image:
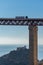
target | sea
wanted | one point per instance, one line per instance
(5, 49)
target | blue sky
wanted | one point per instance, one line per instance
(12, 8)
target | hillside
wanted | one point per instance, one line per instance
(16, 57)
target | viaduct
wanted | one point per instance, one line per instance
(33, 29)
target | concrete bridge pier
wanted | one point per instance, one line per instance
(33, 45)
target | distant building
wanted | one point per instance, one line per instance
(40, 62)
(21, 48)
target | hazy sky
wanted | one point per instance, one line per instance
(12, 8)
(14, 35)
(18, 35)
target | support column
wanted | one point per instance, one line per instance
(33, 45)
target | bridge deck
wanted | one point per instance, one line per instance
(21, 21)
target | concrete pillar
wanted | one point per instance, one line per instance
(33, 45)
